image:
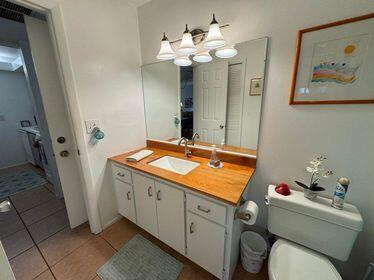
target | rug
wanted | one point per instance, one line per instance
(17, 181)
(140, 259)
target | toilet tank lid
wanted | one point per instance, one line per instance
(348, 217)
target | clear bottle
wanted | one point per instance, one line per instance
(213, 157)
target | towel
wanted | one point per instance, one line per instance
(139, 155)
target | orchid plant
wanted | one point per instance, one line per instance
(317, 169)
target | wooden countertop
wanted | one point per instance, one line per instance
(226, 184)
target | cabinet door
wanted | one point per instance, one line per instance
(205, 243)
(145, 203)
(125, 200)
(170, 216)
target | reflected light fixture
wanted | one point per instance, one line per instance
(202, 57)
(183, 60)
(166, 51)
(214, 39)
(226, 52)
(187, 46)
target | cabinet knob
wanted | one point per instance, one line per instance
(150, 191)
(128, 195)
(159, 195)
(191, 228)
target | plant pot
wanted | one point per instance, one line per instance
(311, 195)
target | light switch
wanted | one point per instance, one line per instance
(2, 118)
(91, 124)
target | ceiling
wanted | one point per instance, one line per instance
(10, 58)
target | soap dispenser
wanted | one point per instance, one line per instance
(214, 161)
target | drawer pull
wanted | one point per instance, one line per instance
(191, 228)
(120, 174)
(159, 195)
(150, 191)
(128, 195)
(203, 209)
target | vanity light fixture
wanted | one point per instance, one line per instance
(166, 51)
(183, 60)
(202, 57)
(226, 52)
(187, 45)
(214, 39)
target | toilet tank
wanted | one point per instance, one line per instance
(314, 224)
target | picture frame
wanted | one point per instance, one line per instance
(333, 63)
(256, 87)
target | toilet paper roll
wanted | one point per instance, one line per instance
(251, 208)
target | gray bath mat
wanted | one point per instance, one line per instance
(140, 259)
(17, 181)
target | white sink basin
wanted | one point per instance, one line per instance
(175, 165)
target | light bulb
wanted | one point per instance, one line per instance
(187, 46)
(226, 52)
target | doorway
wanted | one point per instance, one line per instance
(40, 173)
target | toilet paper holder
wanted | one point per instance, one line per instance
(242, 216)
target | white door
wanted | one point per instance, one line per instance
(58, 120)
(144, 190)
(205, 243)
(210, 96)
(170, 214)
(125, 200)
(5, 269)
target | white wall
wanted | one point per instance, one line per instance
(290, 135)
(98, 43)
(161, 100)
(15, 105)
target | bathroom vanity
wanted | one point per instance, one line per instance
(192, 213)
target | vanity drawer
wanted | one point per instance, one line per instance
(122, 174)
(206, 208)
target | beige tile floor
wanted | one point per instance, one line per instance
(40, 244)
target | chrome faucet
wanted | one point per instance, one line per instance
(195, 135)
(5, 206)
(187, 151)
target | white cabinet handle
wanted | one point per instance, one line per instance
(120, 174)
(191, 228)
(158, 195)
(203, 209)
(128, 195)
(150, 191)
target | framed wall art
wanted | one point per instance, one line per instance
(255, 87)
(334, 63)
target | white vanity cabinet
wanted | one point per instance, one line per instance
(144, 189)
(124, 192)
(170, 216)
(199, 227)
(205, 243)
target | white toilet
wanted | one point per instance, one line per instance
(310, 229)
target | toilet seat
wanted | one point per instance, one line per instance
(290, 261)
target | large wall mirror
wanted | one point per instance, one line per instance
(220, 100)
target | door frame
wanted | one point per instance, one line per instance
(53, 12)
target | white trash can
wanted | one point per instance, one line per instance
(253, 251)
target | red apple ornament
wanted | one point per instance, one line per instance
(283, 189)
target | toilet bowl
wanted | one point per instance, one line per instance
(290, 261)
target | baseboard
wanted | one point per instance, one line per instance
(111, 222)
(14, 165)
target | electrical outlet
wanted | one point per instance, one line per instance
(91, 125)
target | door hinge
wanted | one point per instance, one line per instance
(223, 273)
(226, 234)
(184, 197)
(79, 153)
